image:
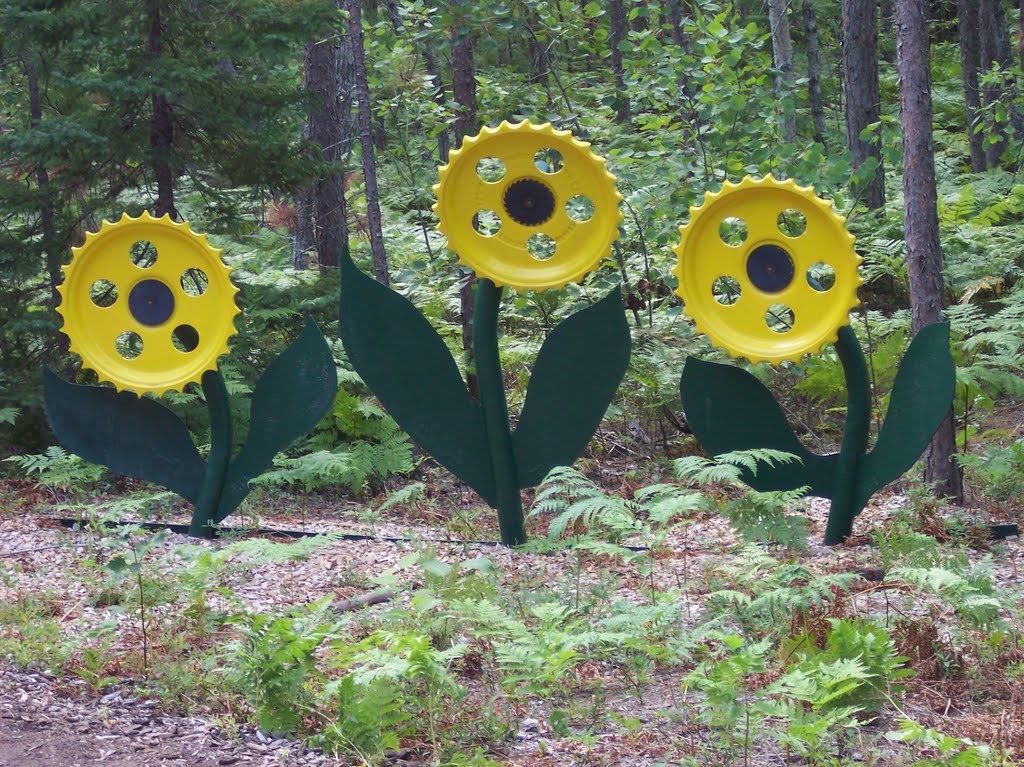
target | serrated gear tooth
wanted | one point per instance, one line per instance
(499, 258)
(166, 369)
(748, 339)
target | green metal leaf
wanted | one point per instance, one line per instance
(408, 367)
(728, 409)
(921, 397)
(293, 394)
(574, 379)
(131, 435)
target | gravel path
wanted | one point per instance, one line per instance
(44, 723)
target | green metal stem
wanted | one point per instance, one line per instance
(219, 408)
(855, 437)
(495, 410)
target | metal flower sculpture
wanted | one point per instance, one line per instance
(768, 271)
(528, 207)
(150, 307)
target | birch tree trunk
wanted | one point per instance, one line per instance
(782, 54)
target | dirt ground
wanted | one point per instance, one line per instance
(48, 721)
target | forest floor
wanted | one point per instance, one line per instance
(104, 711)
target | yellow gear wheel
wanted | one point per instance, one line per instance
(767, 270)
(148, 304)
(527, 206)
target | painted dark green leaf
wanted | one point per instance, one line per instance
(921, 397)
(729, 409)
(574, 379)
(135, 436)
(293, 394)
(408, 367)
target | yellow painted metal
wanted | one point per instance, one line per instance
(182, 321)
(777, 319)
(529, 181)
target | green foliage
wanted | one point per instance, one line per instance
(365, 717)
(758, 517)
(762, 518)
(60, 470)
(272, 663)
(728, 467)
(763, 594)
(965, 588)
(31, 637)
(950, 752)
(863, 649)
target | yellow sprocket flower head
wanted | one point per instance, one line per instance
(767, 270)
(148, 304)
(527, 206)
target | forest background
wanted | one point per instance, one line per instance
(292, 128)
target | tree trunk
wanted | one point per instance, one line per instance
(303, 241)
(464, 92)
(46, 212)
(814, 74)
(989, 53)
(921, 218)
(860, 80)
(782, 54)
(1020, 34)
(619, 28)
(443, 139)
(886, 12)
(362, 88)
(161, 134)
(329, 125)
(967, 11)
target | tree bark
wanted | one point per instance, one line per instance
(814, 74)
(464, 92)
(303, 241)
(1020, 34)
(967, 11)
(443, 139)
(619, 29)
(362, 88)
(886, 13)
(995, 49)
(921, 218)
(782, 55)
(46, 211)
(329, 126)
(161, 134)
(860, 80)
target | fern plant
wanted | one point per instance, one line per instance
(58, 469)
(863, 653)
(762, 594)
(758, 517)
(272, 663)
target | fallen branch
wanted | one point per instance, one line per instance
(358, 603)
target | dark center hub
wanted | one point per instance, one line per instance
(151, 302)
(770, 268)
(529, 202)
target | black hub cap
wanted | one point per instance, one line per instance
(151, 302)
(529, 202)
(770, 268)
